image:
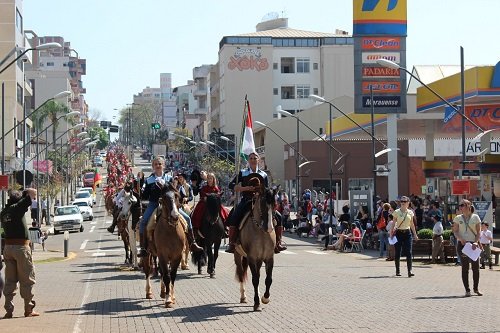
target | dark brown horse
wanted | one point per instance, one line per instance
(168, 243)
(212, 231)
(257, 246)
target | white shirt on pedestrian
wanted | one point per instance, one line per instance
(438, 228)
(484, 236)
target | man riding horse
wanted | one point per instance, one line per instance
(240, 183)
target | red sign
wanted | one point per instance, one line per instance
(381, 43)
(380, 72)
(4, 182)
(460, 187)
(487, 116)
(381, 86)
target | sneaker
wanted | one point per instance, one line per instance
(8, 315)
(478, 293)
(410, 274)
(467, 294)
(31, 314)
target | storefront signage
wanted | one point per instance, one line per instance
(382, 101)
(487, 116)
(380, 43)
(377, 17)
(248, 59)
(372, 57)
(381, 86)
(460, 187)
(4, 182)
(380, 72)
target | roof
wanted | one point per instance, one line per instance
(289, 33)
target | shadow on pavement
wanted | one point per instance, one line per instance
(107, 307)
(439, 297)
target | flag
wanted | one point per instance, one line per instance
(247, 142)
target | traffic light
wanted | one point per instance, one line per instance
(155, 126)
(104, 124)
(113, 128)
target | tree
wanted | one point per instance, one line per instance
(102, 134)
(52, 110)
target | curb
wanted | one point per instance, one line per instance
(49, 259)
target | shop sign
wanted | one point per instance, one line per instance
(381, 43)
(382, 101)
(248, 59)
(393, 87)
(4, 182)
(372, 57)
(460, 187)
(380, 72)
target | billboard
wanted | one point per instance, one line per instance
(379, 17)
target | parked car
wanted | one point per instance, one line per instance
(85, 209)
(86, 196)
(88, 179)
(97, 161)
(67, 218)
(91, 191)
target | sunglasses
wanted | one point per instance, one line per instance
(253, 158)
(462, 205)
(404, 201)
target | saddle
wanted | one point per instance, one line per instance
(152, 225)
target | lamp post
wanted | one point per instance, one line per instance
(461, 111)
(40, 47)
(225, 138)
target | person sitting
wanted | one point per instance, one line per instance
(354, 236)
(199, 210)
(305, 225)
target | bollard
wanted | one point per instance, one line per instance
(66, 242)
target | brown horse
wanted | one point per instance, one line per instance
(257, 246)
(125, 229)
(168, 243)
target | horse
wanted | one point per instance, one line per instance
(258, 240)
(108, 201)
(167, 243)
(126, 229)
(210, 234)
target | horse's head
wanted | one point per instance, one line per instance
(128, 201)
(170, 200)
(213, 204)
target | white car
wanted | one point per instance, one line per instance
(91, 191)
(68, 218)
(84, 195)
(85, 209)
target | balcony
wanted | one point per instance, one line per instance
(201, 91)
(261, 151)
(200, 110)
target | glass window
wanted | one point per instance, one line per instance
(19, 21)
(275, 65)
(312, 42)
(315, 66)
(303, 65)
(278, 42)
(19, 94)
(287, 65)
(303, 91)
(255, 40)
(315, 91)
(50, 63)
(341, 41)
(244, 40)
(275, 91)
(265, 40)
(287, 92)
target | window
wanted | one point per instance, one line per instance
(303, 65)
(315, 66)
(50, 63)
(275, 65)
(19, 21)
(275, 91)
(287, 65)
(288, 92)
(19, 94)
(315, 91)
(303, 91)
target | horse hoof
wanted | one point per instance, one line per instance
(163, 294)
(212, 275)
(184, 268)
(149, 296)
(257, 308)
(264, 300)
(243, 300)
(169, 305)
(200, 272)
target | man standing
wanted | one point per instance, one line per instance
(437, 240)
(17, 253)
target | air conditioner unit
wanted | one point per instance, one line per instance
(382, 170)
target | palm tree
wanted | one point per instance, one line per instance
(52, 111)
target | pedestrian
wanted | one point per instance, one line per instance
(437, 240)
(383, 236)
(486, 238)
(34, 211)
(17, 253)
(44, 211)
(391, 249)
(466, 228)
(403, 229)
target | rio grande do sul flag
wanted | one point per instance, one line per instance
(247, 142)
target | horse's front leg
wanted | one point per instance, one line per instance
(173, 275)
(269, 280)
(148, 267)
(255, 269)
(210, 254)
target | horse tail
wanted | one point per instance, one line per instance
(241, 267)
(201, 256)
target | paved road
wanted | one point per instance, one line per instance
(313, 291)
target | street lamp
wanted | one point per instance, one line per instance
(225, 138)
(41, 47)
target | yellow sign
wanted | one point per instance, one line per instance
(372, 17)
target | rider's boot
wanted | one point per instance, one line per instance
(279, 245)
(111, 228)
(193, 247)
(142, 252)
(233, 233)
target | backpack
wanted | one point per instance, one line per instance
(381, 223)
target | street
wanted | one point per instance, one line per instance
(312, 291)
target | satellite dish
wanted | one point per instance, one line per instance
(270, 16)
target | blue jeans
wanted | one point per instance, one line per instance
(384, 242)
(187, 218)
(152, 205)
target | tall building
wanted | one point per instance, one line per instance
(15, 88)
(278, 65)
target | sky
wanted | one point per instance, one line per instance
(128, 43)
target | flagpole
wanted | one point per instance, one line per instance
(238, 158)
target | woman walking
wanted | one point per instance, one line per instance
(403, 229)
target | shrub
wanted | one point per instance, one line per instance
(447, 234)
(424, 234)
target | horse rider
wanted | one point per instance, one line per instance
(184, 189)
(152, 191)
(118, 201)
(209, 187)
(239, 184)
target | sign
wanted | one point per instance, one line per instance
(43, 166)
(380, 43)
(4, 182)
(379, 17)
(380, 72)
(484, 210)
(381, 86)
(155, 126)
(113, 129)
(382, 101)
(460, 187)
(248, 59)
(372, 57)
(487, 116)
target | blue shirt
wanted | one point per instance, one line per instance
(151, 191)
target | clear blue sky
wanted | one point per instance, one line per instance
(128, 43)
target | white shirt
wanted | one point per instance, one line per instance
(484, 236)
(438, 228)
